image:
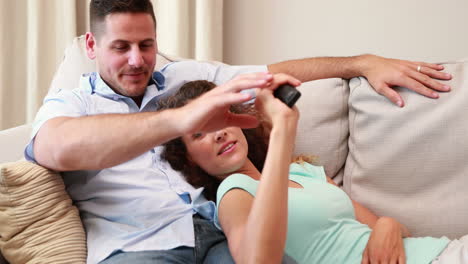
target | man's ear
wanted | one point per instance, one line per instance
(90, 45)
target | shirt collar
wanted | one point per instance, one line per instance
(100, 87)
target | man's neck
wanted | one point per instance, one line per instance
(138, 100)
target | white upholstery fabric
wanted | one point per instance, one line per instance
(323, 124)
(12, 142)
(411, 163)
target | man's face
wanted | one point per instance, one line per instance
(125, 52)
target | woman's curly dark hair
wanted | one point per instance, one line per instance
(175, 151)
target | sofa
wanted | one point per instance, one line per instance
(408, 163)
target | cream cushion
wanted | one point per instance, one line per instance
(323, 125)
(38, 223)
(411, 163)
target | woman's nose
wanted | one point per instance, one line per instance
(220, 135)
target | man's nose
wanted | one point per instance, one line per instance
(135, 58)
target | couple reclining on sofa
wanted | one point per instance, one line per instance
(133, 204)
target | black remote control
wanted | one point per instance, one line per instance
(287, 94)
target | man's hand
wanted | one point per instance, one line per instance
(383, 74)
(210, 112)
(385, 244)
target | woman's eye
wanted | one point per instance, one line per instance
(197, 135)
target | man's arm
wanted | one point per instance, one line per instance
(382, 73)
(102, 141)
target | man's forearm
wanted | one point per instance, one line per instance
(101, 141)
(321, 67)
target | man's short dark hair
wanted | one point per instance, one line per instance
(99, 9)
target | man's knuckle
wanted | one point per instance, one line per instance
(401, 74)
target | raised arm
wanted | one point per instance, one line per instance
(382, 73)
(101, 141)
(256, 228)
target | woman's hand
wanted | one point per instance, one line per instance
(272, 109)
(385, 244)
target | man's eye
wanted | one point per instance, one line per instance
(145, 46)
(120, 47)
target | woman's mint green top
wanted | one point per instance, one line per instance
(322, 227)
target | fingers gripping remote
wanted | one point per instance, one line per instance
(287, 94)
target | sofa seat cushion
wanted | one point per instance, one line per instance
(411, 163)
(38, 223)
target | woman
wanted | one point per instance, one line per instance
(268, 205)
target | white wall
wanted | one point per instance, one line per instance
(266, 31)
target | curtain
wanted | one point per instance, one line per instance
(190, 28)
(33, 36)
(35, 33)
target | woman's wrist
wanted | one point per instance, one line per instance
(286, 128)
(285, 119)
(393, 221)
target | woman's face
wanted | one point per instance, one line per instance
(218, 153)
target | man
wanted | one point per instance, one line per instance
(105, 136)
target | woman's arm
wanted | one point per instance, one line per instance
(385, 243)
(367, 217)
(256, 228)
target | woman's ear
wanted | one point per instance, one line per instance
(191, 162)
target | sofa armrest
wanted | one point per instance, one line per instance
(13, 141)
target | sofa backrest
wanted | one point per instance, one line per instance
(411, 163)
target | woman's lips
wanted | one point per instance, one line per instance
(227, 148)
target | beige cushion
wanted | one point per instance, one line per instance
(38, 223)
(323, 124)
(411, 163)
